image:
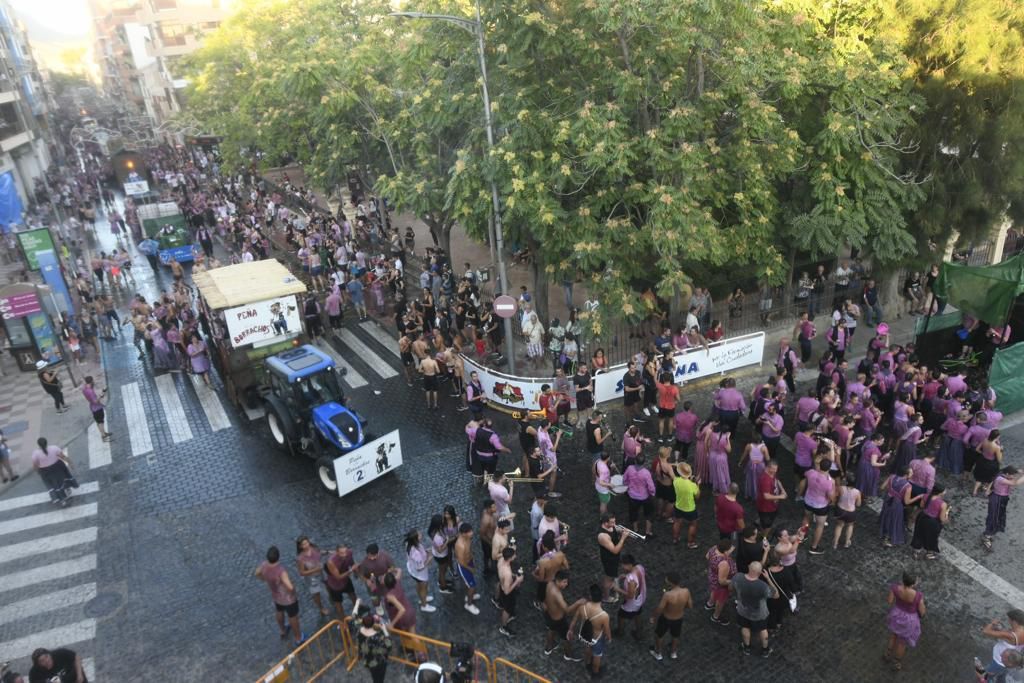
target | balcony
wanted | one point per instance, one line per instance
(15, 141)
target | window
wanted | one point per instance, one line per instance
(173, 34)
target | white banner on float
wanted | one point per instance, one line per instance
(523, 393)
(263, 321)
(368, 462)
(721, 356)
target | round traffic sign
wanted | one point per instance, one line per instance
(504, 306)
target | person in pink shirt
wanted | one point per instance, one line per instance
(998, 500)
(333, 307)
(806, 406)
(922, 479)
(817, 497)
(282, 592)
(640, 490)
(686, 422)
(972, 438)
(730, 404)
(956, 383)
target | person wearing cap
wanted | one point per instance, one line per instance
(51, 384)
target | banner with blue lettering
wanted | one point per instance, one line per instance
(11, 209)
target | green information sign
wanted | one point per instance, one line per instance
(34, 241)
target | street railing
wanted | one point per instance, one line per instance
(508, 672)
(322, 652)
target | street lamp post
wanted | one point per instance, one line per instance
(476, 27)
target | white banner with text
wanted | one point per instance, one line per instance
(364, 464)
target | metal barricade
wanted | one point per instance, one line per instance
(506, 672)
(329, 647)
(412, 649)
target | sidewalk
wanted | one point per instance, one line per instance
(27, 412)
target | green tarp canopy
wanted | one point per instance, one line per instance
(986, 292)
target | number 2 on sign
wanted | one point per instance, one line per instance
(359, 475)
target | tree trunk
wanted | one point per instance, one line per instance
(540, 282)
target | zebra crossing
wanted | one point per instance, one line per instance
(48, 576)
(368, 357)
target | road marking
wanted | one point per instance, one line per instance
(48, 572)
(44, 497)
(984, 577)
(47, 602)
(351, 376)
(375, 331)
(135, 414)
(211, 405)
(376, 363)
(47, 518)
(99, 450)
(173, 411)
(46, 544)
(65, 635)
(89, 667)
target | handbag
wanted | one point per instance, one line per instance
(791, 599)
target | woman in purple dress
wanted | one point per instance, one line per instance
(906, 607)
(928, 525)
(872, 460)
(998, 499)
(755, 455)
(951, 448)
(164, 357)
(701, 466)
(897, 496)
(199, 358)
(718, 448)
(906, 450)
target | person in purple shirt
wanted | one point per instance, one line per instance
(96, 406)
(803, 456)
(686, 422)
(771, 424)
(730, 404)
(640, 489)
(972, 438)
(333, 306)
(805, 332)
(922, 480)
(956, 383)
(805, 407)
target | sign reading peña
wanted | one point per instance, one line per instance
(263, 321)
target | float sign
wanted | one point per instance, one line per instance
(263, 321)
(368, 462)
(137, 187)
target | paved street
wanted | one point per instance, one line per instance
(149, 573)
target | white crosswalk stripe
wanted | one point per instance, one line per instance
(79, 511)
(44, 497)
(135, 415)
(366, 354)
(71, 634)
(99, 450)
(215, 414)
(46, 544)
(44, 587)
(47, 602)
(376, 332)
(174, 413)
(352, 376)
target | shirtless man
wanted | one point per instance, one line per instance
(138, 321)
(510, 578)
(464, 565)
(430, 371)
(499, 542)
(405, 351)
(420, 349)
(488, 523)
(668, 616)
(176, 270)
(551, 561)
(594, 627)
(557, 614)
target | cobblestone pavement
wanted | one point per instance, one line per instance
(159, 583)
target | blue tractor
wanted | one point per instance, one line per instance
(306, 410)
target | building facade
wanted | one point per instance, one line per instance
(24, 125)
(139, 43)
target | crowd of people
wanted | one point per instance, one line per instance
(890, 429)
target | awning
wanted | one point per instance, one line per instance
(246, 283)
